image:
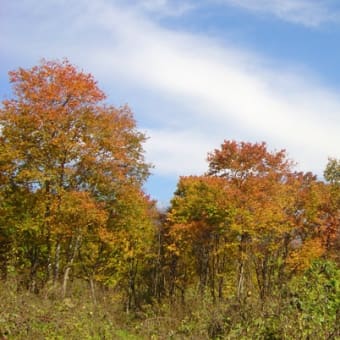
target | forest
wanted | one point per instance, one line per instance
(248, 250)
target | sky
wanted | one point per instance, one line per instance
(196, 73)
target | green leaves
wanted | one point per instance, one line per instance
(317, 295)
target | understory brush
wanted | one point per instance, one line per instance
(308, 307)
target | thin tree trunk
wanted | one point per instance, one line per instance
(93, 292)
(69, 266)
(240, 279)
(32, 285)
(56, 263)
(47, 227)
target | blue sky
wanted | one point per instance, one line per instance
(196, 72)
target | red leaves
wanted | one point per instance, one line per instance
(241, 160)
(56, 84)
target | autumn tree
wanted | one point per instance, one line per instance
(257, 177)
(66, 161)
(252, 210)
(200, 239)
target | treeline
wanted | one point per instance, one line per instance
(252, 238)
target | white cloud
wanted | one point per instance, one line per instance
(216, 91)
(179, 152)
(165, 7)
(305, 12)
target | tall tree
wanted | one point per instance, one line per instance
(250, 211)
(65, 162)
(257, 177)
(201, 240)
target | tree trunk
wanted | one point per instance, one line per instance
(69, 266)
(56, 263)
(93, 292)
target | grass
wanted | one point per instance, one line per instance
(25, 315)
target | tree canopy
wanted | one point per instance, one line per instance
(72, 170)
(253, 239)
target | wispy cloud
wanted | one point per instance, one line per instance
(179, 152)
(215, 91)
(165, 7)
(305, 12)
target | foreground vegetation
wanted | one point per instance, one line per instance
(248, 250)
(307, 308)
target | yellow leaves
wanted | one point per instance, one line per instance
(245, 211)
(301, 258)
(78, 210)
(76, 168)
(107, 236)
(173, 249)
(199, 199)
(30, 225)
(237, 227)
